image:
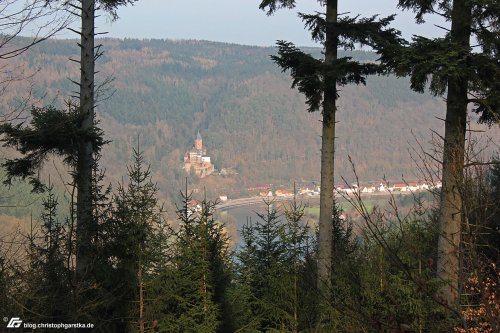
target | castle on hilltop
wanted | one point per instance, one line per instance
(197, 161)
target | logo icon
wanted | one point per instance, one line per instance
(14, 322)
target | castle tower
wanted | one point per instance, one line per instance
(198, 143)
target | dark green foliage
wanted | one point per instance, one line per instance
(7, 282)
(137, 236)
(273, 5)
(111, 5)
(50, 131)
(305, 70)
(423, 7)
(274, 273)
(309, 73)
(432, 62)
(383, 279)
(49, 277)
(319, 80)
(485, 86)
(94, 298)
(439, 57)
(464, 72)
(260, 266)
(345, 264)
(380, 281)
(191, 292)
(488, 219)
(352, 31)
(270, 249)
(232, 111)
(299, 287)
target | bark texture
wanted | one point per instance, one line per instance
(85, 223)
(327, 156)
(451, 213)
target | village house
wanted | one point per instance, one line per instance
(283, 193)
(368, 189)
(382, 188)
(399, 187)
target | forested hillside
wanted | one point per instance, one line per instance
(119, 241)
(249, 118)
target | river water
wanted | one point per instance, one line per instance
(236, 218)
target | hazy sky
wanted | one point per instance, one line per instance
(238, 21)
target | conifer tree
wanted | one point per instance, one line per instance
(79, 146)
(245, 303)
(89, 52)
(192, 290)
(297, 239)
(270, 259)
(345, 280)
(319, 80)
(49, 294)
(269, 266)
(466, 74)
(135, 223)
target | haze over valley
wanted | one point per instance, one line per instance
(252, 123)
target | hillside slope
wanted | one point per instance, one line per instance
(250, 119)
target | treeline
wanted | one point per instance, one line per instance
(114, 262)
(240, 101)
(150, 274)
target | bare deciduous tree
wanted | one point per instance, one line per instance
(24, 24)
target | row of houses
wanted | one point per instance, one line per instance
(342, 189)
(381, 188)
(277, 193)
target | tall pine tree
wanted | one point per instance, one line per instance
(49, 295)
(466, 74)
(191, 292)
(270, 266)
(86, 150)
(319, 81)
(136, 222)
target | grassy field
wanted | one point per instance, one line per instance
(346, 208)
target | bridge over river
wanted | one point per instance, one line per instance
(240, 211)
(252, 201)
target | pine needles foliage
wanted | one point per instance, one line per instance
(192, 289)
(50, 131)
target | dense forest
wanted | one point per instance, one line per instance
(250, 120)
(119, 238)
(154, 274)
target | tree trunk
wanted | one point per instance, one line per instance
(141, 293)
(450, 213)
(85, 223)
(327, 158)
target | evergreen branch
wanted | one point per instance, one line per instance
(435, 60)
(348, 71)
(51, 131)
(316, 24)
(350, 31)
(271, 6)
(305, 71)
(309, 73)
(423, 7)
